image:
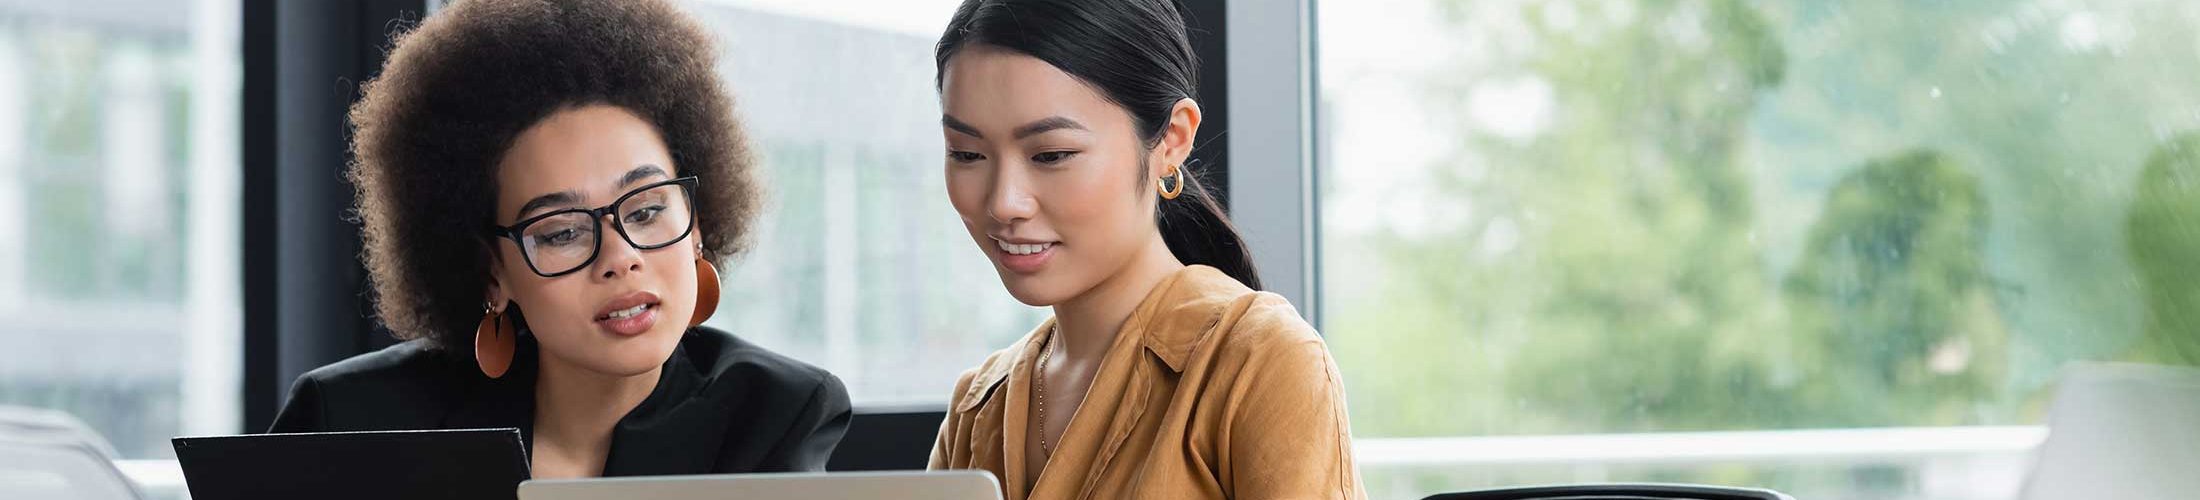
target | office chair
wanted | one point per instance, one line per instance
(1616, 492)
(888, 438)
(48, 454)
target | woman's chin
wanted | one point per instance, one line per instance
(1032, 290)
(625, 364)
(624, 356)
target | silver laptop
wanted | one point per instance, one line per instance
(2121, 432)
(913, 485)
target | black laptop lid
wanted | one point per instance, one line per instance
(436, 464)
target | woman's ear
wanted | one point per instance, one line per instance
(493, 292)
(1176, 139)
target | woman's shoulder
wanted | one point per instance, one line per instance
(723, 358)
(405, 367)
(1243, 320)
(1265, 337)
(1269, 318)
(1202, 300)
(1263, 328)
(405, 386)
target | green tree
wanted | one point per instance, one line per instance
(1892, 290)
(2164, 240)
(1606, 279)
(1708, 230)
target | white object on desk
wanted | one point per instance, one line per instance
(47, 454)
(2121, 432)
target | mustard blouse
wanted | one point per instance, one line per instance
(1210, 390)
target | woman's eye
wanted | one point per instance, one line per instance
(1052, 157)
(560, 237)
(644, 214)
(964, 156)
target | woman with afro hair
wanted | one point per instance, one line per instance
(547, 189)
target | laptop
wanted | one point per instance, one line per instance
(909, 485)
(2120, 432)
(427, 464)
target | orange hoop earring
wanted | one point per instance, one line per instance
(1161, 185)
(706, 290)
(494, 342)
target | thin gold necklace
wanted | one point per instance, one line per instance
(1041, 379)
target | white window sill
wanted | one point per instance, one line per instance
(2008, 444)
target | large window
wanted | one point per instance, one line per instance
(859, 263)
(118, 216)
(1573, 217)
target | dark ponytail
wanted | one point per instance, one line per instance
(1136, 53)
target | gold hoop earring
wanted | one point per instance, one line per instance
(1161, 185)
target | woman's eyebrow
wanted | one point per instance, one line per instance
(1048, 124)
(642, 173)
(561, 198)
(569, 197)
(1036, 127)
(951, 123)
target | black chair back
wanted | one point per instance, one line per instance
(1617, 492)
(888, 438)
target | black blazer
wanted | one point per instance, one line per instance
(723, 405)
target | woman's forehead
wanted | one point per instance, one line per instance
(591, 151)
(996, 90)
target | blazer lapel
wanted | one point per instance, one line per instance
(671, 432)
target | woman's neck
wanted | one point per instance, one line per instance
(576, 409)
(1089, 321)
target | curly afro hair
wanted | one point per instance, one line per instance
(457, 89)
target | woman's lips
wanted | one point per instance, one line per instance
(1024, 257)
(630, 314)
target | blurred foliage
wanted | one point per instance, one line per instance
(1702, 215)
(1761, 215)
(1893, 297)
(2165, 245)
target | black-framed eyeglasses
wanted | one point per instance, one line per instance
(649, 217)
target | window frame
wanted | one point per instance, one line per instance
(1269, 58)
